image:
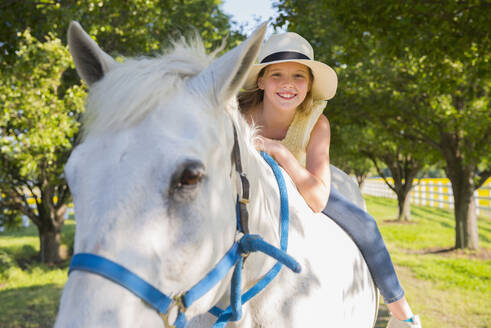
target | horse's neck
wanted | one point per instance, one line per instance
(264, 217)
(264, 197)
(265, 203)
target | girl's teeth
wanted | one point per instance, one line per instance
(288, 96)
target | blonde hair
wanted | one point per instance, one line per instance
(250, 98)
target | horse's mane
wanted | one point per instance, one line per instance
(128, 93)
(134, 88)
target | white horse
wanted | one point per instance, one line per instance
(155, 188)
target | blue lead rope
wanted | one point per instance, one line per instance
(234, 257)
(254, 243)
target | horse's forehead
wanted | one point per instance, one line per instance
(181, 116)
(188, 117)
(180, 125)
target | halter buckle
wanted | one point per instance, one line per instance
(165, 318)
(244, 201)
(174, 309)
(179, 302)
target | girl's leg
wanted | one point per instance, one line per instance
(365, 233)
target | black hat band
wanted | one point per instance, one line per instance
(283, 55)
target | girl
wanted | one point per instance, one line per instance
(285, 95)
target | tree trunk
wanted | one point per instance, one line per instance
(361, 179)
(50, 238)
(403, 169)
(462, 174)
(404, 203)
(466, 233)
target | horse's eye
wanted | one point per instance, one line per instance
(186, 180)
(191, 175)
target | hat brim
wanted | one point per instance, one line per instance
(325, 78)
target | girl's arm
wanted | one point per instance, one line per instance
(313, 182)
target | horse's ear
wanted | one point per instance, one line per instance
(91, 62)
(226, 75)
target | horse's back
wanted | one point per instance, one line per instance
(347, 186)
(347, 296)
(335, 288)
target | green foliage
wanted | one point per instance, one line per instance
(121, 27)
(344, 151)
(38, 125)
(41, 96)
(402, 67)
(9, 219)
(420, 72)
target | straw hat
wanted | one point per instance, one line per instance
(291, 47)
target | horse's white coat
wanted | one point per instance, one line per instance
(128, 210)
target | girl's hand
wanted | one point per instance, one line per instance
(270, 146)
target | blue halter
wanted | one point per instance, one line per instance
(234, 257)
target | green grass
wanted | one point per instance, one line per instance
(430, 227)
(29, 291)
(447, 288)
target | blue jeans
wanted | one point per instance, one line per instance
(364, 231)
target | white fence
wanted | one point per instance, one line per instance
(431, 192)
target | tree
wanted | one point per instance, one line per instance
(403, 165)
(9, 219)
(367, 141)
(37, 129)
(370, 94)
(124, 27)
(345, 153)
(445, 46)
(41, 95)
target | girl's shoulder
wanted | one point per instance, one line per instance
(321, 130)
(322, 123)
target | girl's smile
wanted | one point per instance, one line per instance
(286, 95)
